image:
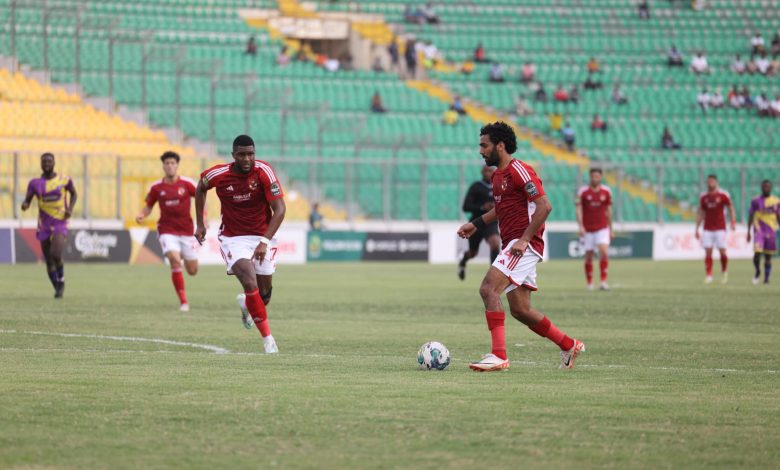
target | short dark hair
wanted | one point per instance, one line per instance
(501, 132)
(170, 154)
(713, 176)
(243, 141)
(596, 170)
(47, 154)
(765, 182)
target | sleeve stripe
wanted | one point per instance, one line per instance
(216, 172)
(521, 171)
(268, 170)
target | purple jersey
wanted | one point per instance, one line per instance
(52, 204)
(765, 211)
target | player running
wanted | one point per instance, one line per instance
(253, 208)
(594, 217)
(479, 200)
(765, 220)
(712, 207)
(174, 229)
(54, 210)
(521, 207)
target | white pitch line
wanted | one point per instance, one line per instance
(219, 350)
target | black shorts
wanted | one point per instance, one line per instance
(476, 239)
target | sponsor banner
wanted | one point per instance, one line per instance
(679, 242)
(561, 245)
(6, 246)
(335, 246)
(290, 246)
(396, 246)
(98, 246)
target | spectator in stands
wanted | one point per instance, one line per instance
(738, 66)
(331, 64)
(593, 65)
(747, 99)
(283, 58)
(392, 50)
(763, 66)
(556, 121)
(540, 96)
(716, 100)
(673, 57)
(568, 136)
(591, 83)
(522, 108)
(561, 95)
(303, 52)
(757, 44)
(413, 15)
(775, 107)
(751, 67)
(251, 46)
(479, 54)
(430, 14)
(598, 124)
(467, 67)
(776, 45)
(315, 218)
(763, 106)
(643, 10)
(376, 103)
(618, 97)
(704, 100)
(376, 66)
(528, 72)
(667, 141)
(699, 64)
(457, 105)
(450, 117)
(410, 55)
(496, 73)
(430, 54)
(347, 63)
(735, 98)
(574, 94)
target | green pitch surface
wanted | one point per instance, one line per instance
(676, 373)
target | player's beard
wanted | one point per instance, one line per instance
(493, 159)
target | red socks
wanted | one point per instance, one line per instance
(724, 262)
(589, 272)
(178, 283)
(546, 329)
(495, 321)
(603, 265)
(257, 310)
(708, 264)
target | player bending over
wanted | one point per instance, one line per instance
(252, 206)
(712, 208)
(521, 207)
(54, 210)
(594, 217)
(174, 229)
(765, 221)
(479, 200)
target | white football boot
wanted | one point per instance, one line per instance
(269, 344)
(246, 318)
(490, 363)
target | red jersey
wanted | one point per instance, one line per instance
(244, 197)
(594, 203)
(515, 188)
(174, 199)
(714, 204)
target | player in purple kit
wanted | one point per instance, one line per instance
(765, 221)
(54, 210)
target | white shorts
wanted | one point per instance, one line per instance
(714, 238)
(184, 244)
(591, 240)
(521, 271)
(243, 247)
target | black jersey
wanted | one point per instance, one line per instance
(479, 194)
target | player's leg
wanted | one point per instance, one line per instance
(474, 242)
(724, 263)
(56, 249)
(189, 254)
(520, 308)
(603, 265)
(51, 269)
(177, 278)
(589, 245)
(767, 267)
(708, 264)
(493, 285)
(757, 267)
(494, 242)
(266, 287)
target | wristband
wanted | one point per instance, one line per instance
(479, 223)
(265, 240)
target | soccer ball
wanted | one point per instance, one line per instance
(433, 355)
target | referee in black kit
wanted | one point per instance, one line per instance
(479, 200)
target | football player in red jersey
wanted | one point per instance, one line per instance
(521, 208)
(594, 217)
(712, 211)
(252, 203)
(174, 229)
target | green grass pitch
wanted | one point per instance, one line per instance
(676, 374)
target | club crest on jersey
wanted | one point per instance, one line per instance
(275, 189)
(530, 189)
(603, 198)
(252, 184)
(504, 184)
(162, 193)
(181, 191)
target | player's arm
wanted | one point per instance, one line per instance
(578, 212)
(469, 202)
(278, 209)
(71, 202)
(144, 213)
(699, 219)
(609, 221)
(543, 209)
(733, 216)
(28, 197)
(470, 228)
(751, 214)
(200, 205)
